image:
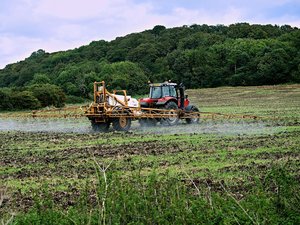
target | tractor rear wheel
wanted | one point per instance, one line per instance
(122, 124)
(173, 120)
(192, 120)
(100, 127)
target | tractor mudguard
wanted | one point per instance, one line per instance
(144, 104)
(161, 103)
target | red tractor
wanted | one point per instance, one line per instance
(168, 95)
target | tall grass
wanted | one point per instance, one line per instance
(157, 199)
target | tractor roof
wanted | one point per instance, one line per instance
(163, 84)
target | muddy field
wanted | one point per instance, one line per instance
(64, 161)
(32, 162)
(59, 155)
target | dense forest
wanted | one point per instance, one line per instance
(197, 55)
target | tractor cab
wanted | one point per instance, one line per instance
(164, 90)
(163, 93)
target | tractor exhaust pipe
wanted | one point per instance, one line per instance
(181, 93)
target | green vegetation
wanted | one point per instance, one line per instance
(151, 178)
(48, 94)
(156, 177)
(197, 55)
(280, 102)
(167, 200)
(32, 97)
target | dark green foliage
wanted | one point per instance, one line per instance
(48, 95)
(125, 76)
(40, 79)
(32, 97)
(164, 199)
(24, 100)
(16, 100)
(5, 100)
(198, 55)
(158, 29)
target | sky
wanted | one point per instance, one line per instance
(55, 25)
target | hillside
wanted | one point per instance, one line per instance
(198, 55)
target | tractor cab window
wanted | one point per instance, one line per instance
(155, 92)
(165, 91)
(173, 91)
(169, 91)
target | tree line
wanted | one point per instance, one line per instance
(197, 55)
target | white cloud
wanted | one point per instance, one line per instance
(183, 16)
(70, 9)
(88, 9)
(15, 48)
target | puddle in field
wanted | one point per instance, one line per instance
(83, 126)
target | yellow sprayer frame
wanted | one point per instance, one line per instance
(101, 110)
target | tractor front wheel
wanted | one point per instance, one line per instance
(122, 124)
